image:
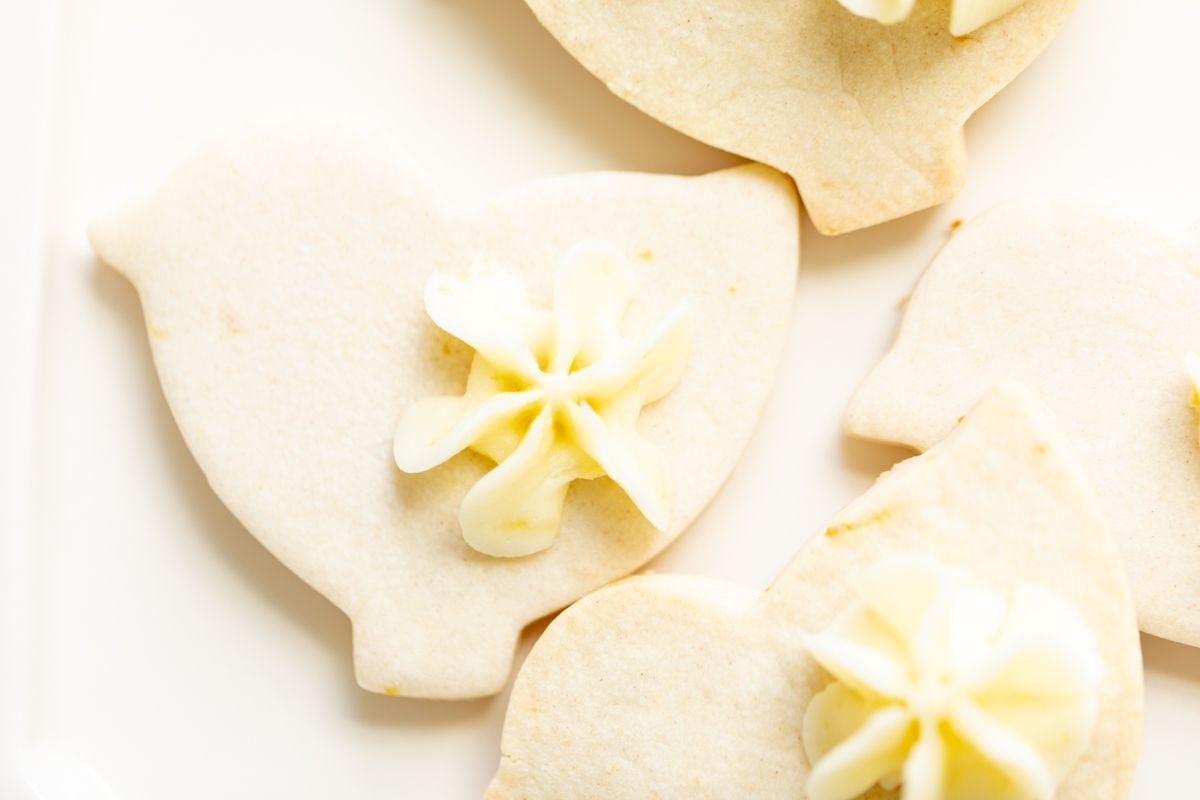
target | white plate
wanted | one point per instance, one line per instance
(151, 649)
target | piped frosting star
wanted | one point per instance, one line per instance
(1192, 362)
(944, 689)
(1193, 367)
(965, 15)
(552, 397)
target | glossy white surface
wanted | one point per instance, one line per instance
(150, 647)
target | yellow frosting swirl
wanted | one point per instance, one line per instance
(551, 397)
(944, 689)
(965, 15)
(1193, 368)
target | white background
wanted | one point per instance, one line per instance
(152, 649)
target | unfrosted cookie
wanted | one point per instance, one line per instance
(964, 628)
(867, 118)
(288, 280)
(1097, 316)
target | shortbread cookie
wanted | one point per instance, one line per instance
(964, 630)
(1097, 317)
(284, 278)
(867, 118)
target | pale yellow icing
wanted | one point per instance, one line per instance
(552, 397)
(1193, 368)
(965, 15)
(945, 689)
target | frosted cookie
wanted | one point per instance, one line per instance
(1097, 317)
(450, 418)
(963, 630)
(866, 117)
